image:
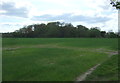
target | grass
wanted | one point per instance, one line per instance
(52, 59)
(108, 71)
(71, 42)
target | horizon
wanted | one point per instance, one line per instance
(61, 22)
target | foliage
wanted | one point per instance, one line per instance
(115, 3)
(58, 30)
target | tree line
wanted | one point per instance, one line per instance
(59, 30)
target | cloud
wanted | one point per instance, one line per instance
(69, 17)
(9, 27)
(10, 9)
(86, 12)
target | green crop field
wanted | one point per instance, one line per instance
(58, 59)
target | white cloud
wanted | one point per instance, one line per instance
(9, 27)
(89, 10)
(11, 10)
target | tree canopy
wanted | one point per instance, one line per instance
(115, 3)
(59, 30)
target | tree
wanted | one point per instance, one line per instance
(115, 3)
(52, 29)
(69, 30)
(103, 34)
(111, 34)
(82, 31)
(95, 32)
(39, 30)
(62, 30)
(22, 32)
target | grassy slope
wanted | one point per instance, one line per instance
(108, 71)
(52, 64)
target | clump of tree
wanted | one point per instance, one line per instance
(59, 30)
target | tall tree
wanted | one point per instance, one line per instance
(69, 30)
(103, 34)
(82, 31)
(39, 30)
(95, 32)
(53, 29)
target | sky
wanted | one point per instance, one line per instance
(14, 14)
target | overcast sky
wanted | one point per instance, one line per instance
(15, 14)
